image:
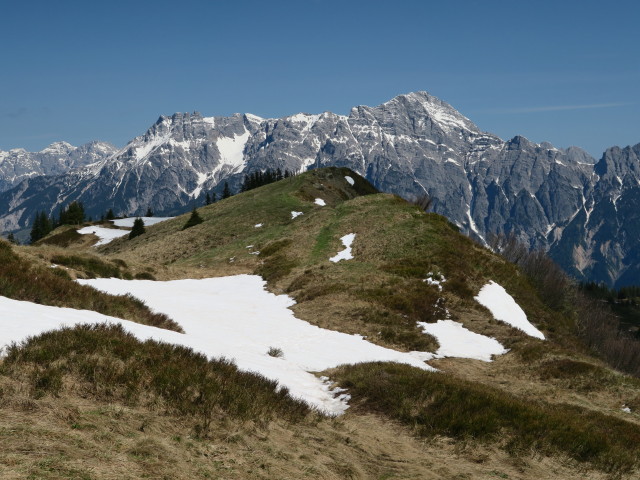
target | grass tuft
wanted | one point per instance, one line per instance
(275, 352)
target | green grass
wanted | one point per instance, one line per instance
(20, 280)
(110, 364)
(438, 404)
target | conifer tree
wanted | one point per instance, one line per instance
(194, 219)
(73, 214)
(110, 215)
(138, 228)
(41, 227)
(207, 200)
(149, 212)
(226, 192)
(36, 229)
(11, 238)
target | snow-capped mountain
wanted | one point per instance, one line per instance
(60, 157)
(559, 199)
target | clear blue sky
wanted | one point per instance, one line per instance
(567, 72)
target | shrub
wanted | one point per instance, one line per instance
(144, 276)
(437, 404)
(111, 364)
(275, 352)
(92, 266)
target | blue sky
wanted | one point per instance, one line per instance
(567, 72)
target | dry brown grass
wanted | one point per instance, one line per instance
(75, 438)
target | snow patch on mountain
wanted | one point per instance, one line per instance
(505, 309)
(232, 149)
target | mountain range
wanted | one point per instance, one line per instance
(581, 210)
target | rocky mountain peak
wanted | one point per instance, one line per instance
(59, 147)
(617, 162)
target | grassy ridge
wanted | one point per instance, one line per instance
(438, 404)
(110, 364)
(380, 293)
(20, 280)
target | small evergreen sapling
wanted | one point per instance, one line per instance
(138, 228)
(194, 219)
(226, 192)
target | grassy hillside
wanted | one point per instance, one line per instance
(548, 409)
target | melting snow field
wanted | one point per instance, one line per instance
(106, 235)
(234, 317)
(345, 254)
(504, 308)
(320, 202)
(295, 214)
(349, 179)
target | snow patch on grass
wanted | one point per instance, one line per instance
(345, 254)
(350, 180)
(320, 202)
(456, 341)
(105, 235)
(295, 214)
(232, 317)
(504, 308)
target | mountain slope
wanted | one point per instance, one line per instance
(410, 145)
(546, 408)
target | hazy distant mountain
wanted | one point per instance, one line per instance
(559, 199)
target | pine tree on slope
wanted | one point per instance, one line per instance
(138, 228)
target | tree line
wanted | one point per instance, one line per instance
(259, 178)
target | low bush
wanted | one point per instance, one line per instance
(144, 276)
(91, 266)
(109, 364)
(276, 267)
(439, 404)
